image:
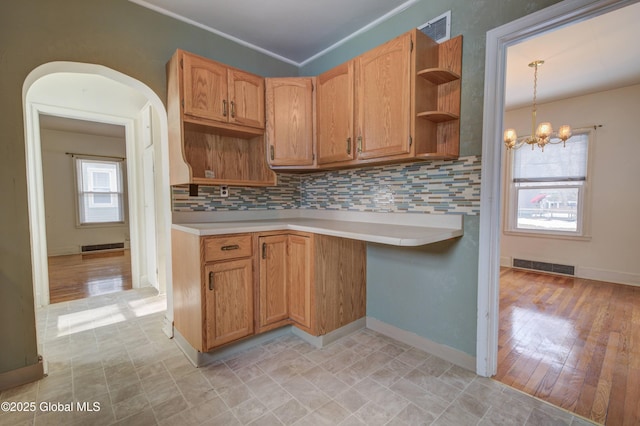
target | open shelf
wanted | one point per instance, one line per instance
(438, 75)
(438, 116)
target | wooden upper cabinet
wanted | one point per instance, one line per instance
(383, 99)
(289, 131)
(334, 114)
(205, 88)
(216, 122)
(217, 92)
(246, 99)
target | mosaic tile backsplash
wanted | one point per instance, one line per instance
(440, 187)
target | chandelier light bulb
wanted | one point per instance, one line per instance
(544, 130)
(510, 138)
(564, 132)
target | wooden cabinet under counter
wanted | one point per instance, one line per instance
(229, 287)
(212, 288)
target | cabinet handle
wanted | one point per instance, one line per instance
(232, 247)
(359, 144)
(349, 146)
(224, 107)
(233, 109)
(272, 153)
(211, 280)
(264, 250)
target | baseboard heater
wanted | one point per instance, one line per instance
(100, 247)
(544, 266)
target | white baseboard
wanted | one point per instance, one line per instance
(21, 376)
(608, 276)
(63, 251)
(324, 340)
(587, 273)
(450, 354)
(200, 359)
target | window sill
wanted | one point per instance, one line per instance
(550, 235)
(101, 225)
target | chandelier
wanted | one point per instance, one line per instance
(544, 132)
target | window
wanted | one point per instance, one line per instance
(548, 190)
(100, 193)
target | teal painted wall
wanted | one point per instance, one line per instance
(115, 33)
(432, 291)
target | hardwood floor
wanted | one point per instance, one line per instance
(572, 342)
(78, 276)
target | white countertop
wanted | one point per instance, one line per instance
(375, 228)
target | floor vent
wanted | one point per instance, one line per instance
(544, 266)
(98, 247)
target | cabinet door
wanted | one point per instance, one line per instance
(205, 88)
(290, 121)
(383, 108)
(273, 279)
(300, 283)
(334, 114)
(246, 99)
(228, 301)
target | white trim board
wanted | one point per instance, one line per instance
(450, 354)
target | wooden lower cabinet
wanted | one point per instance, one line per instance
(301, 281)
(321, 279)
(274, 277)
(228, 287)
(212, 288)
(228, 301)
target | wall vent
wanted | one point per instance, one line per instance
(438, 28)
(98, 247)
(544, 266)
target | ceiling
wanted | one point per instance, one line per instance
(78, 95)
(72, 125)
(598, 54)
(292, 30)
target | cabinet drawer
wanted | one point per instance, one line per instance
(230, 247)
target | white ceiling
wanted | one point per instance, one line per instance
(72, 125)
(78, 94)
(598, 54)
(291, 30)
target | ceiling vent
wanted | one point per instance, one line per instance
(438, 28)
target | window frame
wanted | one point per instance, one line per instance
(120, 176)
(583, 220)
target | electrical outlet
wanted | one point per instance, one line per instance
(224, 191)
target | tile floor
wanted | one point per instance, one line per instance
(110, 349)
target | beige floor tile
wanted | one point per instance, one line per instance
(112, 350)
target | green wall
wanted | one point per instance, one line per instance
(432, 290)
(114, 33)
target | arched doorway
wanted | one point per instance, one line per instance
(146, 185)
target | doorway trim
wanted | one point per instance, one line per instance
(498, 40)
(41, 281)
(35, 186)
